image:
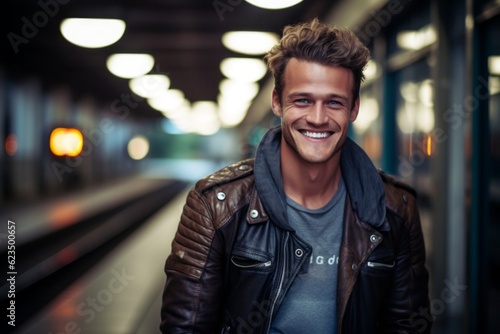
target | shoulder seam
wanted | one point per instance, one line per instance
(399, 196)
(394, 181)
(226, 175)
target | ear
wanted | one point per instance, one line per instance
(354, 111)
(276, 104)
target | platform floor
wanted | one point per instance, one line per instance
(122, 293)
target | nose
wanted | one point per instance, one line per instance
(317, 115)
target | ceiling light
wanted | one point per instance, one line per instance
(409, 91)
(426, 119)
(371, 70)
(92, 33)
(232, 119)
(239, 90)
(171, 128)
(494, 65)
(405, 117)
(231, 111)
(168, 101)
(276, 4)
(416, 39)
(149, 85)
(130, 65)
(138, 147)
(205, 111)
(249, 42)
(179, 114)
(494, 88)
(243, 69)
(204, 118)
(183, 123)
(370, 111)
(426, 93)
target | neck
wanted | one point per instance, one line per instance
(312, 185)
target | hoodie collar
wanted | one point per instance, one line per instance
(362, 180)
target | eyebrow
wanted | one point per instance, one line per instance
(305, 94)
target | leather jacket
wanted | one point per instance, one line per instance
(233, 261)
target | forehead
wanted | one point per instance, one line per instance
(316, 77)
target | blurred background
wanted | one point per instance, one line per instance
(110, 110)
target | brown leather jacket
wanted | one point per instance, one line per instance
(232, 262)
(226, 272)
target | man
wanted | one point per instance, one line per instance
(309, 237)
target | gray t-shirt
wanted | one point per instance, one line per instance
(310, 304)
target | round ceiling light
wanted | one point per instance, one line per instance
(130, 65)
(249, 42)
(243, 69)
(92, 33)
(276, 4)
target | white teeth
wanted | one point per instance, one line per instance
(316, 134)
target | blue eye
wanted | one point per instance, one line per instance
(334, 103)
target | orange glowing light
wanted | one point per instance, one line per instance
(11, 144)
(66, 142)
(429, 145)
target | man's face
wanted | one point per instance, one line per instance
(316, 107)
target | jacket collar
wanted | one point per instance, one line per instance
(364, 185)
(362, 180)
(267, 170)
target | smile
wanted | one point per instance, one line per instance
(316, 134)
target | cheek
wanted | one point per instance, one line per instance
(341, 119)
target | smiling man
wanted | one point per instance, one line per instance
(308, 237)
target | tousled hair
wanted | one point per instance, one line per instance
(317, 42)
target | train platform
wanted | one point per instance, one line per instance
(46, 216)
(122, 292)
(93, 259)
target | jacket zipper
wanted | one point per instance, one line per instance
(281, 283)
(259, 265)
(379, 265)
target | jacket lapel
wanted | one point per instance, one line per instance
(357, 245)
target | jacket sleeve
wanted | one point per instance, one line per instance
(193, 293)
(409, 302)
(420, 318)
